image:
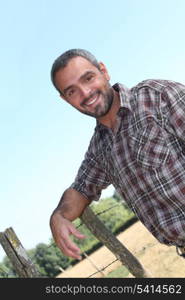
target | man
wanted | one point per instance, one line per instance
(138, 146)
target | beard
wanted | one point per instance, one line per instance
(101, 109)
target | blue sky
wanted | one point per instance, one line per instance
(43, 139)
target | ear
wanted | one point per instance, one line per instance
(104, 71)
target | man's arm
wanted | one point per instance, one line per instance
(70, 207)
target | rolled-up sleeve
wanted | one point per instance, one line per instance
(91, 178)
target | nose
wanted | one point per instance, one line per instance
(85, 91)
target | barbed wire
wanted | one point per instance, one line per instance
(10, 274)
(102, 212)
(81, 223)
(104, 268)
(33, 258)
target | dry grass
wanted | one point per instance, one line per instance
(160, 260)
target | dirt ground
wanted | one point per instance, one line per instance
(160, 260)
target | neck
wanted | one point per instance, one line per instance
(109, 119)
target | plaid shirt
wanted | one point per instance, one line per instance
(144, 158)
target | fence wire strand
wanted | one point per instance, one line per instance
(78, 226)
(81, 223)
(104, 268)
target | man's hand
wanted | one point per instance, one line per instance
(62, 229)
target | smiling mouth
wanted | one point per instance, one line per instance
(92, 100)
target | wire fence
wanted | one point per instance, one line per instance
(33, 258)
(103, 269)
(99, 270)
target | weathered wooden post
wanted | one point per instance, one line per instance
(97, 227)
(17, 254)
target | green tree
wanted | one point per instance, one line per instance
(49, 259)
(114, 215)
(6, 269)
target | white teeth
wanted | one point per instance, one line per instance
(92, 101)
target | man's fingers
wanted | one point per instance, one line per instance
(69, 248)
(72, 254)
(77, 233)
(62, 229)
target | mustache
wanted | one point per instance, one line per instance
(88, 98)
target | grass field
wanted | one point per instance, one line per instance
(160, 260)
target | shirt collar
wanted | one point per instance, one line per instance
(124, 94)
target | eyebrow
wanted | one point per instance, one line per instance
(81, 78)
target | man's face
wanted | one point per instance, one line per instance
(85, 87)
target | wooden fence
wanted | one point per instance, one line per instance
(24, 267)
(17, 254)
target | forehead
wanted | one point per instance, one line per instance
(78, 62)
(70, 74)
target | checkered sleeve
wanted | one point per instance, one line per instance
(174, 98)
(91, 177)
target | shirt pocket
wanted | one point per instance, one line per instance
(149, 147)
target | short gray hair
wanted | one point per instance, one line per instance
(62, 61)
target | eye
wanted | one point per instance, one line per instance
(89, 77)
(70, 93)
